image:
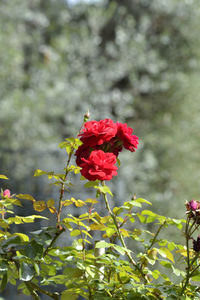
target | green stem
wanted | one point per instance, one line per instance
(62, 189)
(32, 291)
(189, 231)
(157, 233)
(188, 257)
(63, 186)
(58, 233)
(121, 237)
(54, 296)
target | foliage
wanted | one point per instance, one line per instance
(129, 60)
(96, 269)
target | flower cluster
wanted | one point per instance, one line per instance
(102, 143)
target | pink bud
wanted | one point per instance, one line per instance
(193, 205)
(6, 193)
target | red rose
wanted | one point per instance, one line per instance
(96, 133)
(99, 165)
(82, 152)
(124, 134)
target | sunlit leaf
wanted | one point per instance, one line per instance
(75, 232)
(91, 200)
(23, 236)
(39, 206)
(39, 172)
(164, 252)
(3, 176)
(51, 205)
(105, 189)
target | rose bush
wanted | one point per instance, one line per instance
(105, 269)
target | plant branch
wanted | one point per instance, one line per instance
(54, 296)
(155, 236)
(188, 257)
(32, 291)
(58, 233)
(62, 189)
(121, 237)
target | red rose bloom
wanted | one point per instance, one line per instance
(124, 134)
(82, 152)
(99, 165)
(97, 133)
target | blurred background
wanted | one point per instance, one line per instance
(135, 61)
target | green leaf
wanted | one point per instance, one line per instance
(141, 200)
(119, 162)
(25, 197)
(37, 268)
(166, 264)
(117, 210)
(11, 242)
(196, 277)
(26, 272)
(148, 213)
(75, 232)
(34, 250)
(92, 184)
(178, 272)
(39, 206)
(66, 295)
(103, 244)
(28, 219)
(105, 189)
(141, 218)
(110, 231)
(14, 201)
(39, 172)
(164, 252)
(3, 176)
(132, 203)
(23, 237)
(90, 200)
(4, 282)
(3, 267)
(155, 274)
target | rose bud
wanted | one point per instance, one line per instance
(6, 193)
(192, 205)
(196, 244)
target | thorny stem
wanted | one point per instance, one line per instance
(62, 189)
(63, 186)
(121, 237)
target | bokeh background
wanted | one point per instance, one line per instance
(135, 61)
